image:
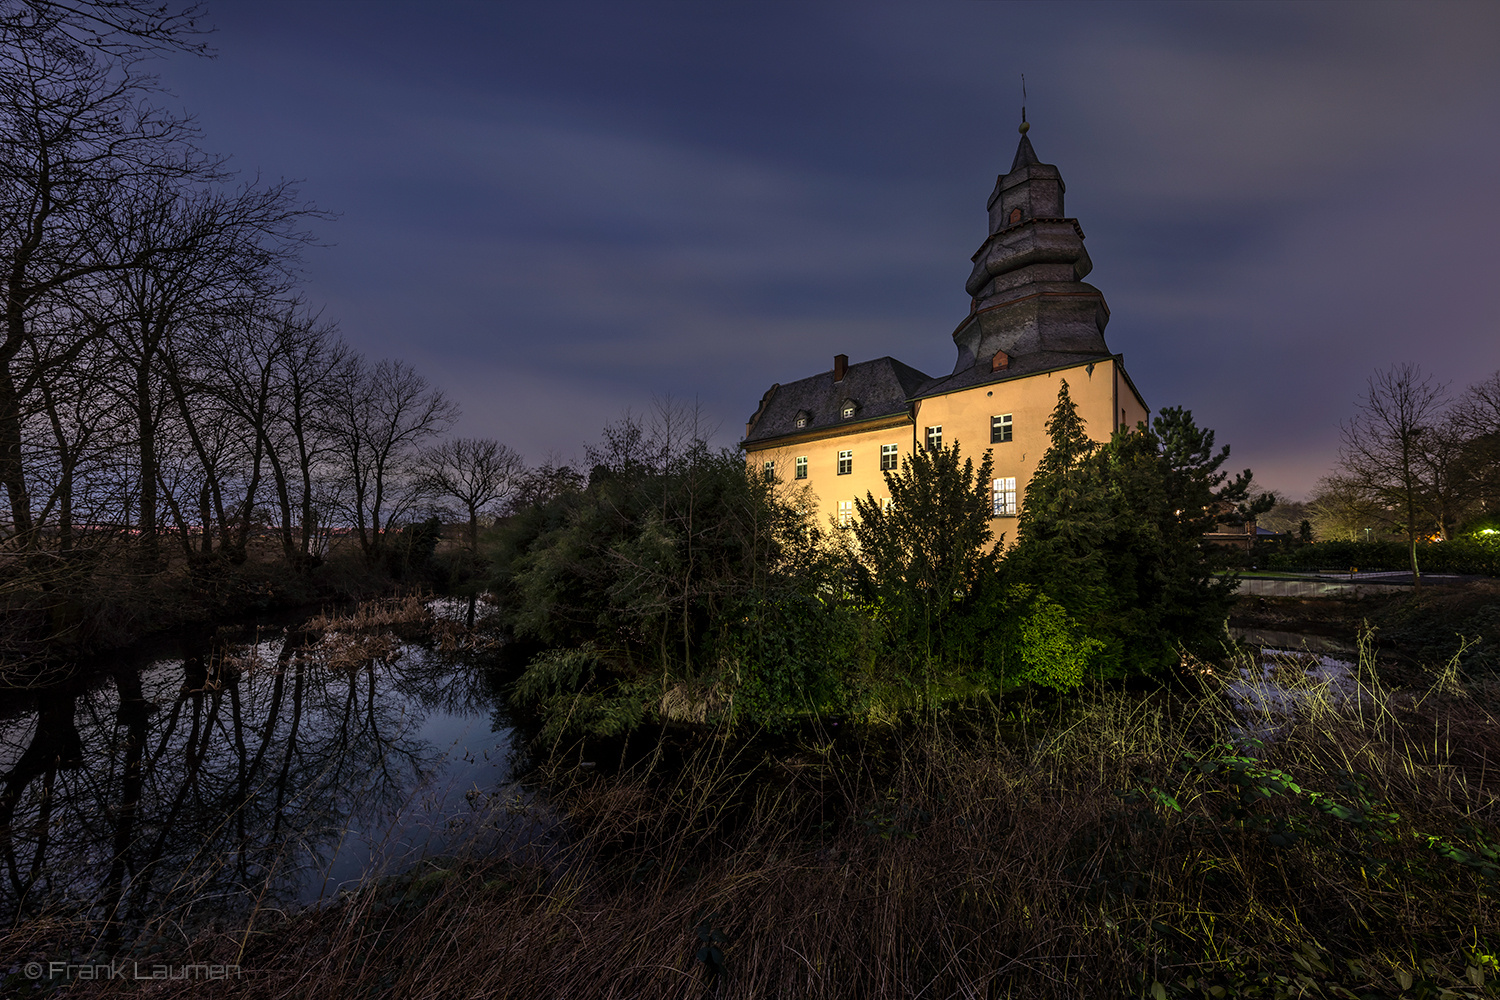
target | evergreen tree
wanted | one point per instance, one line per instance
(925, 552)
(1113, 534)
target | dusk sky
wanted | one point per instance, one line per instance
(558, 211)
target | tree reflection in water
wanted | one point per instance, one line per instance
(238, 777)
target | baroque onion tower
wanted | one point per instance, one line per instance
(1033, 322)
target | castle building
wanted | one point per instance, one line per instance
(1033, 322)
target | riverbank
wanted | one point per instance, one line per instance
(118, 605)
(1114, 843)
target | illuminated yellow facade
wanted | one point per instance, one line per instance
(1033, 323)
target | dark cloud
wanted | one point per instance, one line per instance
(559, 211)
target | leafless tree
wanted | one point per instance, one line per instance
(76, 132)
(380, 415)
(1477, 415)
(112, 27)
(1392, 451)
(480, 474)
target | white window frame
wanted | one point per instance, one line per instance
(890, 457)
(771, 467)
(1001, 428)
(846, 513)
(1003, 496)
(935, 437)
(846, 462)
(801, 467)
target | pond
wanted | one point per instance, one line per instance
(270, 772)
(1286, 674)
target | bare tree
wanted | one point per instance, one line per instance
(1389, 448)
(479, 474)
(76, 132)
(112, 27)
(1477, 415)
(379, 417)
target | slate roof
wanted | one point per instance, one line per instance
(879, 388)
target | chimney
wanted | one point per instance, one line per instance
(840, 365)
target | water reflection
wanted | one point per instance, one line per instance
(242, 776)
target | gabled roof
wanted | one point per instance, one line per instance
(880, 388)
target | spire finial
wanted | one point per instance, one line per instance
(1024, 126)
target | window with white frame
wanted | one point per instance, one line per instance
(771, 467)
(1005, 497)
(888, 458)
(885, 505)
(846, 513)
(846, 462)
(1000, 429)
(935, 438)
(802, 467)
(848, 410)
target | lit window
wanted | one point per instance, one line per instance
(802, 467)
(846, 462)
(846, 513)
(885, 505)
(935, 438)
(887, 457)
(1005, 497)
(801, 421)
(771, 467)
(848, 410)
(1000, 429)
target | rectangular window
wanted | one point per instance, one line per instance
(935, 438)
(846, 462)
(1005, 497)
(846, 513)
(885, 505)
(771, 467)
(802, 467)
(887, 458)
(1000, 429)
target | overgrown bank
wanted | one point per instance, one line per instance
(1116, 844)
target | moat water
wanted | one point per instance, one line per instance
(218, 777)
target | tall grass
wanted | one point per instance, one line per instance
(1123, 844)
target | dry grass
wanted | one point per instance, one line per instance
(1123, 846)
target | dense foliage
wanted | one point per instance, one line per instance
(1113, 534)
(674, 585)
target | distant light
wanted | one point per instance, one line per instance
(1488, 531)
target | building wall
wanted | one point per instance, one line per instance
(965, 417)
(822, 451)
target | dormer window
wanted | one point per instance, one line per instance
(802, 419)
(1015, 216)
(848, 409)
(1000, 362)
